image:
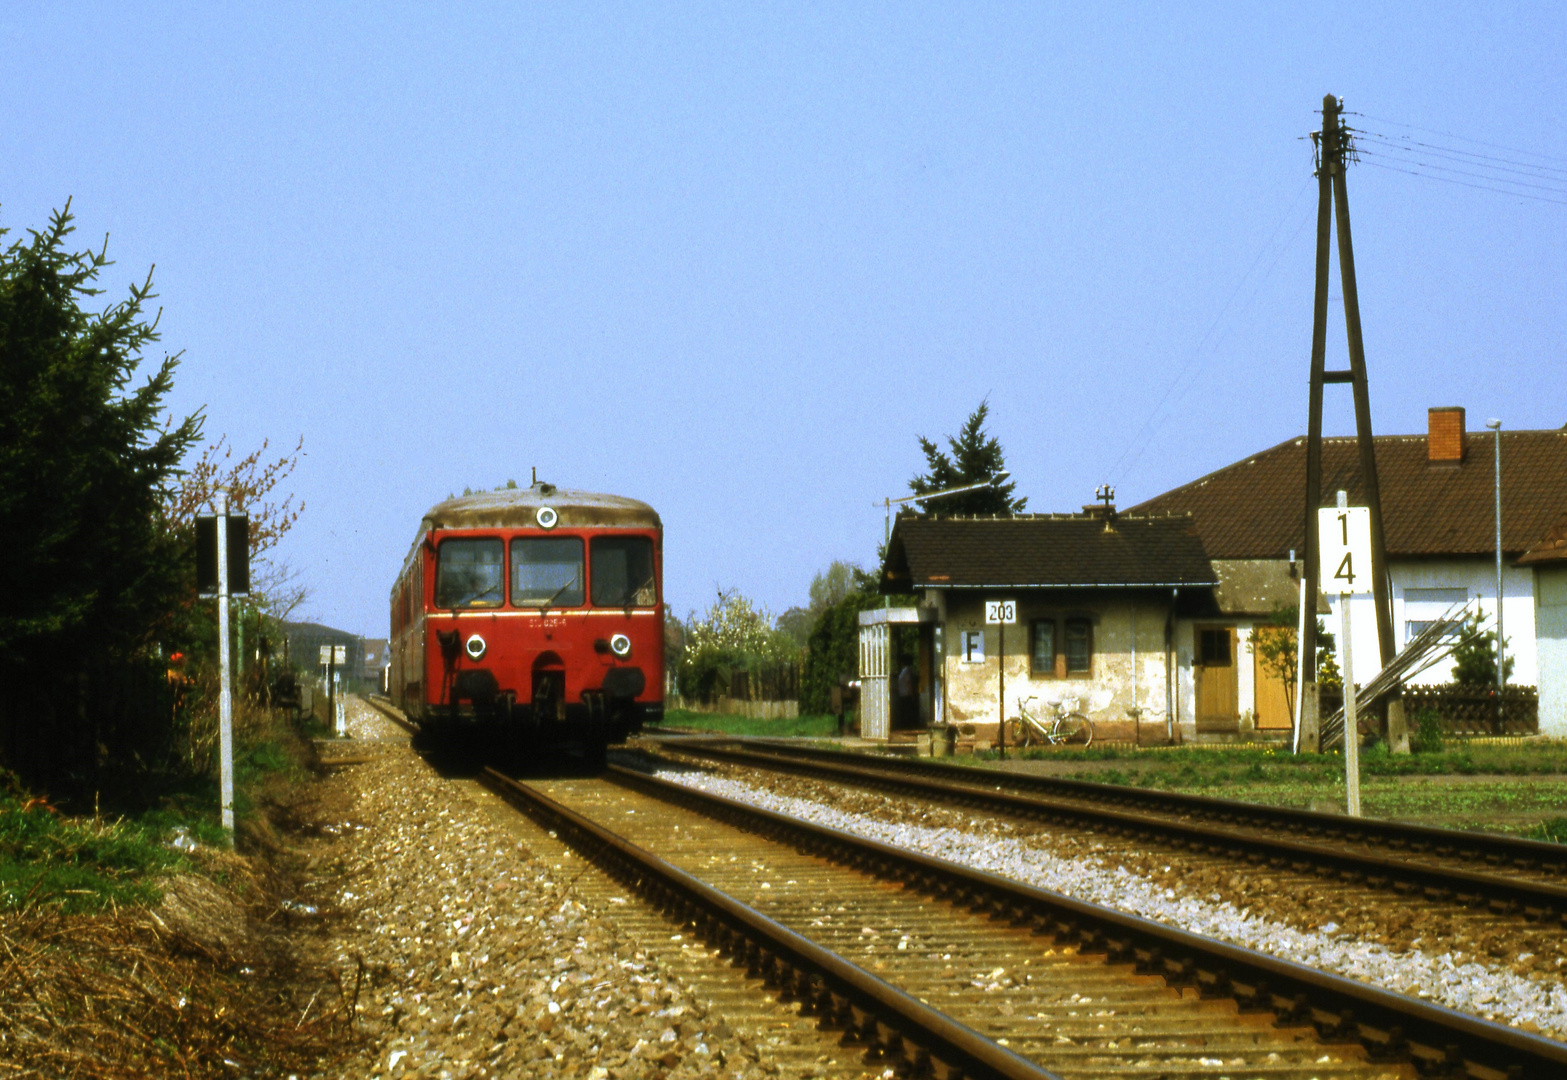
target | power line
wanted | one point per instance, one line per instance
(1479, 161)
(1461, 138)
(1464, 183)
(1474, 175)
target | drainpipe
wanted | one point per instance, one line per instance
(1135, 659)
(1169, 669)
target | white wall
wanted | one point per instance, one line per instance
(1551, 634)
(1476, 578)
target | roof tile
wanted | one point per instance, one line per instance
(1253, 510)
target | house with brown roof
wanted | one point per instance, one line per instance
(1439, 519)
(1100, 600)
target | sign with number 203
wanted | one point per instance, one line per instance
(1344, 549)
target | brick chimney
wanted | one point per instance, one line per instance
(1445, 437)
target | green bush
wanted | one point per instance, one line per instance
(1427, 738)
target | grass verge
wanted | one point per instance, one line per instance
(1508, 788)
(129, 955)
(817, 727)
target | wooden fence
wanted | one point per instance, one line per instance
(1464, 710)
(770, 682)
(1472, 710)
(726, 706)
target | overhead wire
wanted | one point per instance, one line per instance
(1535, 180)
(1393, 153)
(1464, 183)
(1475, 176)
(1460, 138)
(1479, 161)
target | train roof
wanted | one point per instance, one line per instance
(517, 508)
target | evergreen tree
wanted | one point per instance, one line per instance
(86, 463)
(1474, 660)
(974, 457)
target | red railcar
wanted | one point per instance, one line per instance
(534, 613)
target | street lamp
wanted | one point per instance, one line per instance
(889, 503)
(1501, 667)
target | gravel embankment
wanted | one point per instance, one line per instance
(477, 959)
(1532, 1000)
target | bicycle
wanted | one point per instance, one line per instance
(1065, 727)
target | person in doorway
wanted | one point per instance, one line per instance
(906, 714)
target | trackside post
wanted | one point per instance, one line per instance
(1344, 535)
(225, 678)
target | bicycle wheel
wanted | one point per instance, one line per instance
(1023, 733)
(1074, 729)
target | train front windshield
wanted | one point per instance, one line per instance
(623, 571)
(546, 571)
(469, 573)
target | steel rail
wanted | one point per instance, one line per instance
(1504, 894)
(1491, 848)
(1437, 1040)
(894, 1025)
(389, 711)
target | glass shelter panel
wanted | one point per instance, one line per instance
(546, 571)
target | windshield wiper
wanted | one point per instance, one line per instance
(544, 608)
(487, 591)
(626, 600)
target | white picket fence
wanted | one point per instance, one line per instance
(751, 710)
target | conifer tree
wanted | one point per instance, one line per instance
(974, 456)
(86, 460)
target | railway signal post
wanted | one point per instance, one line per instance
(223, 570)
(1345, 548)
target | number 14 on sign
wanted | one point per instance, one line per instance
(1344, 544)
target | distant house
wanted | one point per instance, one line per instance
(1101, 599)
(1439, 520)
(306, 639)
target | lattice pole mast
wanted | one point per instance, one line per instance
(1332, 189)
(1327, 153)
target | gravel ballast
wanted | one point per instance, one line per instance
(1534, 1002)
(474, 958)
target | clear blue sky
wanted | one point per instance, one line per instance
(730, 259)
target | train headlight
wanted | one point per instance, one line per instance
(475, 647)
(546, 517)
(620, 645)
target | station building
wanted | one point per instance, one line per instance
(1149, 618)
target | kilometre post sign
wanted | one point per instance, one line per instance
(1001, 614)
(1344, 541)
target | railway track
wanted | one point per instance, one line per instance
(958, 972)
(385, 708)
(1502, 876)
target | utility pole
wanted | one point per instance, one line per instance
(1333, 149)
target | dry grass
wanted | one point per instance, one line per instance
(206, 980)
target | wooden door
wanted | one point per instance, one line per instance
(1273, 703)
(1214, 665)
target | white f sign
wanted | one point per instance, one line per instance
(1344, 546)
